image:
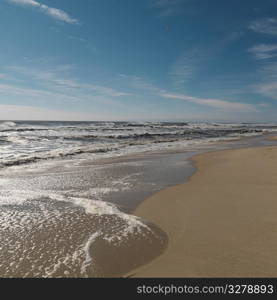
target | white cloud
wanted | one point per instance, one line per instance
(215, 103)
(25, 2)
(266, 26)
(55, 13)
(264, 51)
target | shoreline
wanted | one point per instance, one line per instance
(221, 222)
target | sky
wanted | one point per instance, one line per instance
(179, 60)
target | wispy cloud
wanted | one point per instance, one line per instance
(267, 86)
(269, 70)
(55, 87)
(4, 76)
(215, 103)
(57, 78)
(85, 42)
(263, 104)
(35, 94)
(264, 51)
(55, 13)
(150, 89)
(266, 26)
(25, 112)
(233, 36)
(168, 8)
(77, 38)
(267, 89)
(139, 83)
(186, 66)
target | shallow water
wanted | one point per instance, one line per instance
(71, 221)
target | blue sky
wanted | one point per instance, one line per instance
(189, 60)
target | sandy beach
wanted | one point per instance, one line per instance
(222, 222)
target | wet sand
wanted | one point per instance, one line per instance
(223, 222)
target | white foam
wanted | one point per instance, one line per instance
(17, 197)
(87, 247)
(102, 208)
(116, 230)
(95, 207)
(7, 125)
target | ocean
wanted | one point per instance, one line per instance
(24, 142)
(68, 190)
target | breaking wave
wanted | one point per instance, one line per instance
(27, 142)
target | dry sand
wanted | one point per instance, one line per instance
(223, 222)
(273, 138)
